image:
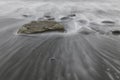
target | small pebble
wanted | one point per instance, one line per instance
(52, 60)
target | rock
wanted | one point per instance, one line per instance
(27, 16)
(65, 18)
(52, 60)
(47, 16)
(116, 32)
(68, 17)
(72, 15)
(106, 22)
(40, 27)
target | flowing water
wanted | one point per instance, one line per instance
(72, 55)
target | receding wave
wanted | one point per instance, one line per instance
(86, 51)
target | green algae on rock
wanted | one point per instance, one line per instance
(40, 27)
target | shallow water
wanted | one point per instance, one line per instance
(72, 55)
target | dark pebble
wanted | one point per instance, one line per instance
(47, 16)
(26, 16)
(116, 32)
(72, 15)
(108, 22)
(52, 60)
(64, 18)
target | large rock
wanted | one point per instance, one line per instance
(40, 27)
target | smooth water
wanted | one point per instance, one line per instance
(72, 55)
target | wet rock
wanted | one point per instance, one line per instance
(52, 60)
(47, 16)
(26, 16)
(108, 22)
(64, 18)
(40, 27)
(68, 17)
(116, 32)
(72, 15)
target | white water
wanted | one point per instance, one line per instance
(90, 11)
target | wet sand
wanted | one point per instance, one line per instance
(57, 56)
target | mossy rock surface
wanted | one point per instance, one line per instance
(40, 27)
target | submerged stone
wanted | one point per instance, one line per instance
(40, 27)
(49, 17)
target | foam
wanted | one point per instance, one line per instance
(89, 11)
